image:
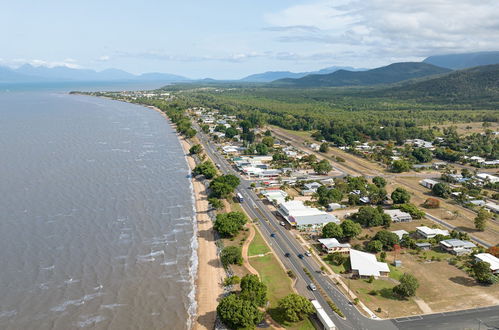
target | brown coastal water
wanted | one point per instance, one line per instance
(96, 216)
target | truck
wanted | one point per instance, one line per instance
(326, 321)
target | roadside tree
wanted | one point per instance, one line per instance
(407, 287)
(332, 230)
(295, 307)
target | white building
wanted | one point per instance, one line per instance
(492, 260)
(487, 177)
(365, 264)
(302, 217)
(427, 232)
(275, 196)
(457, 246)
(428, 183)
(398, 215)
(400, 233)
(492, 207)
(331, 245)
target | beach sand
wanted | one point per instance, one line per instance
(210, 273)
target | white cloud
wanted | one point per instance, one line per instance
(401, 28)
(68, 62)
(104, 58)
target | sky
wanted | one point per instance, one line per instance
(232, 39)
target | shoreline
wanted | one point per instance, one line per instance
(208, 262)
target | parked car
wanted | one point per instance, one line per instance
(312, 286)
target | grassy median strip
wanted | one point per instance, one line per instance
(258, 245)
(278, 282)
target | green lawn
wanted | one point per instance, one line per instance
(278, 283)
(337, 269)
(258, 245)
(395, 272)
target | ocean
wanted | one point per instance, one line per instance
(96, 216)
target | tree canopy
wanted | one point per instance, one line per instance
(400, 196)
(368, 216)
(229, 224)
(237, 313)
(407, 287)
(295, 307)
(332, 230)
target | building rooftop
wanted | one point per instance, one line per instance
(332, 243)
(367, 264)
(400, 233)
(432, 231)
(457, 243)
(487, 257)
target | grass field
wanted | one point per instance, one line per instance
(278, 284)
(258, 245)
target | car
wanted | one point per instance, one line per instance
(272, 235)
(312, 286)
(308, 254)
(301, 256)
(287, 254)
(282, 223)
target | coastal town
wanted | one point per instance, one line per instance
(369, 245)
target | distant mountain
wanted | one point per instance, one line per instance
(30, 73)
(479, 84)
(384, 75)
(463, 61)
(275, 75)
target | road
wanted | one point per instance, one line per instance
(284, 242)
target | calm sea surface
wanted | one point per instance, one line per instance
(96, 216)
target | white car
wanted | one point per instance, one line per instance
(282, 223)
(308, 254)
(312, 286)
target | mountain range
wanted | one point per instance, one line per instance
(384, 75)
(328, 77)
(30, 73)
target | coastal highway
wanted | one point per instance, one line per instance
(284, 242)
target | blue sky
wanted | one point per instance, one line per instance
(231, 39)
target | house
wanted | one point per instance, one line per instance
(478, 202)
(331, 245)
(485, 177)
(335, 206)
(275, 196)
(420, 143)
(365, 265)
(428, 183)
(457, 246)
(427, 232)
(492, 207)
(492, 260)
(400, 233)
(304, 217)
(477, 159)
(399, 216)
(310, 188)
(424, 245)
(315, 146)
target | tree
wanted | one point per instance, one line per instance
(441, 190)
(387, 238)
(224, 185)
(324, 147)
(231, 132)
(431, 203)
(368, 216)
(190, 133)
(216, 203)
(336, 258)
(327, 196)
(254, 290)
(237, 313)
(322, 167)
(231, 255)
(423, 155)
(332, 230)
(350, 229)
(481, 272)
(295, 307)
(407, 287)
(400, 196)
(481, 219)
(262, 149)
(379, 182)
(205, 128)
(195, 149)
(411, 209)
(229, 224)
(268, 141)
(376, 195)
(400, 165)
(375, 246)
(205, 168)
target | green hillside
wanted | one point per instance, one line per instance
(392, 73)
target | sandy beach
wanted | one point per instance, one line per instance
(210, 271)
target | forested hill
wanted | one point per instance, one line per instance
(463, 61)
(384, 75)
(475, 85)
